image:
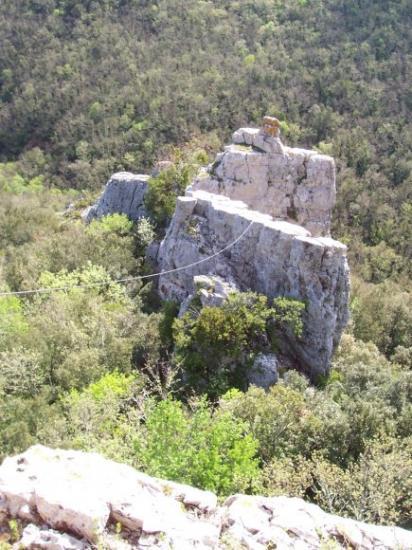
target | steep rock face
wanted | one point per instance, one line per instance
(289, 195)
(70, 500)
(275, 258)
(124, 194)
(291, 184)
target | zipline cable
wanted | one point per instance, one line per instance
(129, 279)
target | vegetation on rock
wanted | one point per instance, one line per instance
(87, 88)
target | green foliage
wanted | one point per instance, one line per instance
(92, 278)
(216, 345)
(93, 417)
(196, 445)
(112, 383)
(12, 182)
(334, 444)
(21, 373)
(145, 233)
(205, 449)
(115, 223)
(35, 236)
(160, 198)
(377, 488)
(287, 314)
(12, 322)
(280, 420)
(382, 313)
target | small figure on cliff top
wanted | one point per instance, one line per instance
(271, 126)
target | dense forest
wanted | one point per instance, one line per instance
(95, 86)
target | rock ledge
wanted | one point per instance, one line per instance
(69, 500)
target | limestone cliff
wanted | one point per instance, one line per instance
(70, 500)
(280, 201)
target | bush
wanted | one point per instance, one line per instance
(160, 198)
(211, 450)
(216, 346)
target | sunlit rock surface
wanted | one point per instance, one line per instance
(289, 195)
(71, 500)
(290, 184)
(124, 194)
(275, 258)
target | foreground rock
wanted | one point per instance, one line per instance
(81, 493)
(70, 500)
(292, 523)
(124, 194)
(275, 258)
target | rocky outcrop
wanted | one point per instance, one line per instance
(286, 196)
(124, 194)
(70, 500)
(290, 184)
(275, 258)
(292, 523)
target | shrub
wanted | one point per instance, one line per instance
(218, 344)
(211, 450)
(114, 223)
(160, 198)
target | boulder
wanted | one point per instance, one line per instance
(258, 522)
(272, 257)
(124, 194)
(264, 371)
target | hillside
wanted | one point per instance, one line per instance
(88, 88)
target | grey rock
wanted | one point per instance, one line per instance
(34, 537)
(163, 514)
(264, 371)
(77, 492)
(292, 523)
(291, 184)
(289, 194)
(211, 291)
(275, 258)
(124, 194)
(152, 251)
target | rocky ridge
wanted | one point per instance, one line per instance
(275, 204)
(71, 500)
(275, 258)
